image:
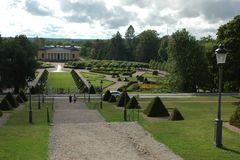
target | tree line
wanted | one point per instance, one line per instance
(191, 62)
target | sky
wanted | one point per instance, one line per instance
(101, 19)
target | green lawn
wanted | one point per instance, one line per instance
(193, 137)
(95, 79)
(20, 140)
(150, 75)
(62, 80)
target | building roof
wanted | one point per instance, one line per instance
(72, 48)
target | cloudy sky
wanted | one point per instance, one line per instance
(103, 18)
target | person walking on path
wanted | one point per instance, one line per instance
(74, 98)
(70, 98)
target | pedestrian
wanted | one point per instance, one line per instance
(70, 98)
(74, 98)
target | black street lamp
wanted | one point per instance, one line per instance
(221, 55)
(101, 84)
(39, 101)
(125, 105)
(30, 100)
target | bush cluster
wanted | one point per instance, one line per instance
(133, 104)
(107, 95)
(10, 98)
(79, 82)
(23, 95)
(112, 99)
(1, 113)
(235, 118)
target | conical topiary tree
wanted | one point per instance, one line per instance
(133, 103)
(91, 90)
(156, 109)
(11, 99)
(112, 99)
(235, 118)
(1, 113)
(124, 98)
(176, 115)
(19, 99)
(5, 105)
(107, 95)
(23, 95)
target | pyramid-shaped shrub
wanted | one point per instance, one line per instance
(12, 100)
(107, 95)
(19, 99)
(1, 113)
(122, 99)
(112, 99)
(176, 115)
(235, 118)
(91, 90)
(133, 103)
(23, 95)
(156, 109)
(5, 105)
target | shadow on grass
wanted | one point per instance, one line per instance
(230, 150)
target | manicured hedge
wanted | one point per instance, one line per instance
(5, 105)
(107, 95)
(19, 99)
(176, 115)
(23, 95)
(79, 82)
(12, 100)
(156, 109)
(133, 104)
(1, 113)
(124, 98)
(112, 99)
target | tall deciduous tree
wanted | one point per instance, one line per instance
(229, 34)
(130, 41)
(18, 61)
(148, 45)
(189, 68)
(117, 49)
(163, 49)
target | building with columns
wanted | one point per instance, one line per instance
(58, 53)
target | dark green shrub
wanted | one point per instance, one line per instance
(91, 90)
(133, 104)
(235, 118)
(5, 105)
(124, 98)
(19, 99)
(156, 109)
(1, 113)
(11, 99)
(23, 95)
(140, 78)
(176, 115)
(107, 96)
(125, 79)
(119, 79)
(155, 72)
(112, 99)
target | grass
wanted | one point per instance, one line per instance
(193, 137)
(20, 140)
(150, 75)
(62, 80)
(96, 78)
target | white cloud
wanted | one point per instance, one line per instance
(103, 18)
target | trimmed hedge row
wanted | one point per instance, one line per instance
(79, 82)
(43, 79)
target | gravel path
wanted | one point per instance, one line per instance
(82, 134)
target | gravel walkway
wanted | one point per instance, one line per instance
(82, 134)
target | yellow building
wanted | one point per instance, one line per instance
(58, 53)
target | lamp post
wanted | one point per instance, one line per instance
(101, 84)
(30, 100)
(221, 55)
(42, 87)
(125, 105)
(89, 91)
(39, 102)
